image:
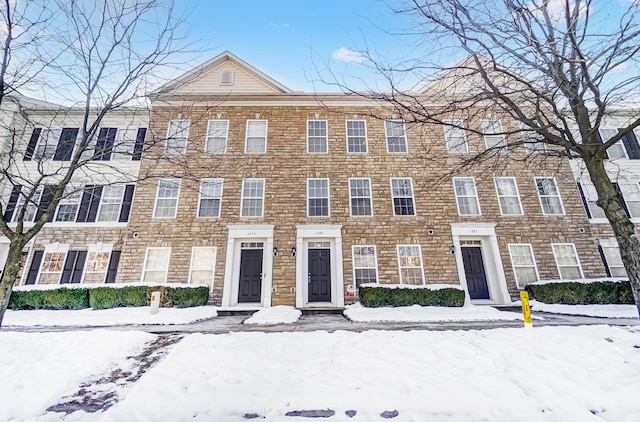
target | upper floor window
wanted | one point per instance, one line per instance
(51, 144)
(508, 195)
(549, 196)
(166, 204)
(111, 203)
(410, 263)
(360, 197)
(524, 264)
(567, 261)
(533, 141)
(455, 136)
(31, 204)
(217, 133)
(47, 144)
(402, 196)
(115, 144)
(396, 136)
(630, 197)
(69, 204)
(317, 141)
(226, 77)
(611, 257)
(493, 136)
(256, 138)
(177, 136)
(466, 195)
(210, 198)
(365, 265)
(318, 197)
(356, 136)
(252, 202)
(590, 198)
(616, 150)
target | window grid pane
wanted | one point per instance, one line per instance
(410, 263)
(567, 260)
(591, 197)
(356, 136)
(96, 267)
(508, 197)
(317, 136)
(51, 268)
(360, 194)
(217, 132)
(32, 205)
(47, 144)
(402, 195)
(616, 150)
(210, 198)
(466, 196)
(524, 266)
(364, 265)
(318, 197)
(124, 143)
(156, 265)
(110, 203)
(549, 196)
(167, 198)
(491, 129)
(177, 135)
(256, 140)
(252, 197)
(455, 137)
(614, 261)
(396, 136)
(631, 194)
(202, 265)
(69, 204)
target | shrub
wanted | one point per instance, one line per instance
(573, 293)
(375, 297)
(185, 297)
(111, 297)
(62, 298)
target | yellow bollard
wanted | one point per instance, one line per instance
(155, 303)
(526, 310)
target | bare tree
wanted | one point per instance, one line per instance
(560, 67)
(95, 58)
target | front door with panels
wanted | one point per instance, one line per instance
(250, 283)
(319, 272)
(475, 272)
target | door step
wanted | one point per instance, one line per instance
(320, 311)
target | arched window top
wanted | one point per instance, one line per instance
(226, 78)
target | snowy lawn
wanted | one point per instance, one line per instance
(274, 315)
(417, 313)
(106, 317)
(607, 311)
(586, 374)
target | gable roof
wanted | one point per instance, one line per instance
(205, 79)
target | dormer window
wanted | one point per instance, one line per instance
(226, 78)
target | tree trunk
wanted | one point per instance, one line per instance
(10, 274)
(623, 228)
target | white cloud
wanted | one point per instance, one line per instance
(347, 55)
(621, 68)
(278, 25)
(555, 8)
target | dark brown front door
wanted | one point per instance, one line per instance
(250, 286)
(474, 271)
(319, 275)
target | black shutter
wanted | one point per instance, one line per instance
(66, 144)
(31, 147)
(102, 139)
(104, 145)
(95, 203)
(45, 200)
(78, 268)
(69, 265)
(32, 275)
(11, 205)
(139, 145)
(600, 142)
(85, 203)
(604, 261)
(112, 270)
(125, 210)
(631, 144)
(622, 202)
(584, 201)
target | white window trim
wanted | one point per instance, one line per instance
(513, 264)
(319, 197)
(242, 197)
(124, 190)
(622, 183)
(611, 243)
(421, 262)
(221, 180)
(34, 202)
(326, 138)
(65, 196)
(186, 136)
(393, 205)
(477, 196)
(353, 262)
(97, 248)
(625, 154)
(404, 132)
(226, 137)
(366, 136)
(246, 135)
(448, 125)
(500, 144)
(215, 256)
(370, 197)
(146, 256)
(535, 184)
(515, 183)
(177, 199)
(556, 258)
(51, 248)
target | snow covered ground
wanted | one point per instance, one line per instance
(605, 311)
(589, 373)
(416, 313)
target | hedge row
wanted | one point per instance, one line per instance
(572, 293)
(107, 297)
(375, 297)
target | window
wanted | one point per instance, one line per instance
(110, 203)
(177, 135)
(156, 265)
(317, 137)
(590, 197)
(402, 197)
(492, 130)
(466, 196)
(252, 198)
(356, 136)
(396, 136)
(217, 133)
(32, 205)
(69, 204)
(567, 261)
(508, 196)
(210, 198)
(167, 198)
(532, 140)
(51, 268)
(616, 150)
(317, 197)
(365, 265)
(455, 137)
(47, 144)
(360, 197)
(256, 140)
(612, 258)
(549, 196)
(524, 265)
(631, 194)
(96, 267)
(124, 144)
(410, 263)
(203, 264)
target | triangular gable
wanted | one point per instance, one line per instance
(208, 79)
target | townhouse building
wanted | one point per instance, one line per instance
(276, 197)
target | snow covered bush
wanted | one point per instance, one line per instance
(62, 298)
(378, 295)
(581, 292)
